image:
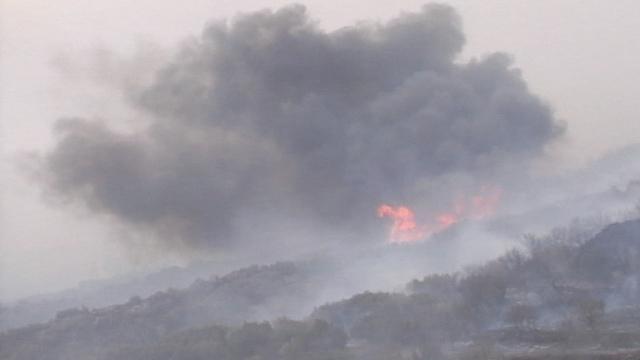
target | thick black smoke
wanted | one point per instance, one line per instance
(269, 117)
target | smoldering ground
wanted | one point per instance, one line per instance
(266, 125)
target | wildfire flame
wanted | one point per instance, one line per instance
(405, 229)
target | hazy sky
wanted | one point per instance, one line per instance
(583, 57)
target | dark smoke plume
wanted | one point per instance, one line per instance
(269, 119)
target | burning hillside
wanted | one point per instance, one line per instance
(406, 229)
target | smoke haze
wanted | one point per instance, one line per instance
(267, 123)
(290, 189)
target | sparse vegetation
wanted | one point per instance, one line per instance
(550, 301)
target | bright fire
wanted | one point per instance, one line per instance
(405, 229)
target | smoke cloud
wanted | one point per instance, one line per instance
(269, 119)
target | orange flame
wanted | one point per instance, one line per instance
(405, 229)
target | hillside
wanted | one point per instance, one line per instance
(565, 297)
(250, 294)
(99, 293)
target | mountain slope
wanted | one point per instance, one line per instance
(563, 298)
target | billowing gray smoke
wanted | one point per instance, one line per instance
(269, 118)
